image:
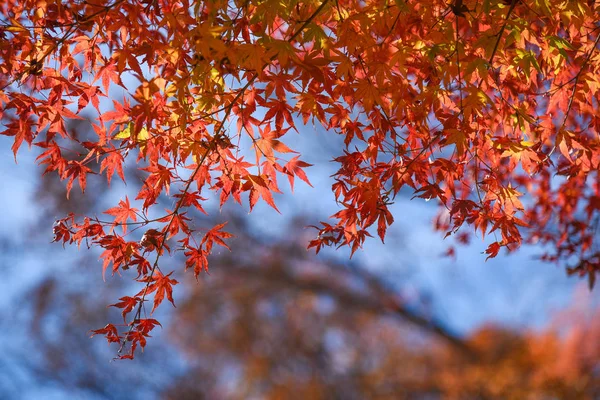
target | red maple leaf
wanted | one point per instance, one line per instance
(162, 285)
(122, 213)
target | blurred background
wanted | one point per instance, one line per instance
(273, 320)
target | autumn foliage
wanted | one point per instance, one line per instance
(488, 108)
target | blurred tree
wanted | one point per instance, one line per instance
(273, 322)
(282, 325)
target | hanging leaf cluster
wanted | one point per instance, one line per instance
(488, 107)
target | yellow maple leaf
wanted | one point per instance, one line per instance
(126, 133)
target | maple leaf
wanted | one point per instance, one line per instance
(110, 332)
(191, 199)
(177, 222)
(493, 249)
(117, 251)
(196, 258)
(160, 285)
(122, 213)
(126, 133)
(216, 235)
(145, 325)
(111, 163)
(260, 186)
(74, 170)
(267, 144)
(385, 219)
(108, 73)
(293, 168)
(127, 303)
(458, 138)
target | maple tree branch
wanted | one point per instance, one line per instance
(38, 62)
(460, 94)
(144, 222)
(305, 24)
(414, 159)
(387, 36)
(560, 86)
(216, 135)
(510, 10)
(160, 248)
(573, 91)
(241, 91)
(383, 110)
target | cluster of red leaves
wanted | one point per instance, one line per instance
(472, 104)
